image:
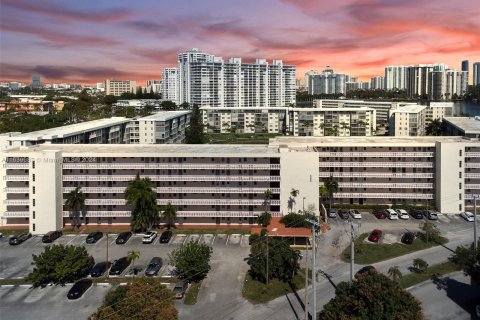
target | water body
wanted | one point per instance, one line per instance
(466, 109)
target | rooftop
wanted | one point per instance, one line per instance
(165, 115)
(70, 130)
(467, 124)
(409, 108)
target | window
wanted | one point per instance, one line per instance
(33, 227)
(33, 189)
(460, 185)
(33, 202)
(33, 215)
(460, 175)
(33, 164)
(459, 196)
(460, 153)
(459, 164)
(33, 177)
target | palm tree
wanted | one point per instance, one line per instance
(395, 273)
(332, 187)
(133, 256)
(294, 193)
(268, 195)
(75, 201)
(345, 126)
(264, 219)
(323, 191)
(169, 213)
(420, 264)
(143, 201)
(322, 127)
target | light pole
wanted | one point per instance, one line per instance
(266, 235)
(314, 267)
(304, 204)
(475, 239)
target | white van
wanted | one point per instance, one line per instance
(392, 214)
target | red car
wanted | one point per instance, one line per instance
(375, 235)
(380, 213)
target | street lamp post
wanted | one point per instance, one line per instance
(304, 204)
(475, 239)
(314, 267)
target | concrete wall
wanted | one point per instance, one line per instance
(299, 170)
(449, 174)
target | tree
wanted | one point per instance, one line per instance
(372, 296)
(268, 195)
(323, 191)
(264, 219)
(420, 264)
(133, 256)
(194, 133)
(143, 201)
(168, 105)
(192, 261)
(468, 260)
(60, 264)
(332, 187)
(184, 106)
(395, 273)
(434, 128)
(297, 220)
(110, 99)
(169, 213)
(294, 193)
(283, 261)
(431, 232)
(146, 298)
(75, 201)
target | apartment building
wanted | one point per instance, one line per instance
(225, 184)
(395, 78)
(164, 127)
(209, 81)
(476, 73)
(377, 83)
(407, 121)
(170, 90)
(328, 81)
(462, 126)
(119, 87)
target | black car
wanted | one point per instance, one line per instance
(343, 214)
(417, 214)
(431, 215)
(154, 266)
(408, 238)
(19, 238)
(51, 236)
(119, 266)
(99, 268)
(166, 236)
(123, 237)
(94, 237)
(79, 289)
(366, 269)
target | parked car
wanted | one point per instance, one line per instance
(19, 238)
(119, 266)
(180, 288)
(375, 235)
(123, 237)
(93, 237)
(408, 238)
(79, 289)
(355, 214)
(392, 214)
(149, 237)
(133, 272)
(416, 214)
(379, 213)
(332, 213)
(430, 214)
(402, 214)
(343, 214)
(99, 268)
(366, 269)
(166, 236)
(154, 266)
(51, 236)
(467, 216)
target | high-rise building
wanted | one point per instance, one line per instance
(465, 66)
(395, 77)
(209, 81)
(476, 73)
(170, 90)
(377, 83)
(327, 81)
(119, 87)
(36, 84)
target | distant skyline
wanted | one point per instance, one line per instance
(89, 41)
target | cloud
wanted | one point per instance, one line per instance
(63, 13)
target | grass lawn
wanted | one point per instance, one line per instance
(241, 138)
(257, 292)
(192, 293)
(211, 231)
(367, 253)
(434, 270)
(11, 232)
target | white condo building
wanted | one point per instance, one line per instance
(395, 78)
(209, 81)
(377, 83)
(327, 82)
(408, 121)
(170, 85)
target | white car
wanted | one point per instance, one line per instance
(149, 237)
(355, 214)
(467, 216)
(402, 214)
(392, 214)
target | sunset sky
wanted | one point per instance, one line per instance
(89, 41)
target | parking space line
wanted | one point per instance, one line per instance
(200, 238)
(184, 240)
(71, 240)
(228, 237)
(213, 240)
(241, 240)
(113, 241)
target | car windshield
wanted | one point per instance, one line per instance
(177, 289)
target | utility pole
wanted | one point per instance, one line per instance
(304, 204)
(266, 234)
(306, 282)
(352, 250)
(106, 265)
(426, 221)
(475, 239)
(314, 267)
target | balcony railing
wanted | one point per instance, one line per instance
(377, 154)
(472, 165)
(127, 214)
(472, 154)
(472, 175)
(215, 190)
(472, 186)
(167, 178)
(376, 164)
(385, 195)
(16, 177)
(16, 202)
(97, 189)
(385, 185)
(101, 214)
(16, 165)
(16, 190)
(155, 166)
(233, 202)
(16, 214)
(374, 175)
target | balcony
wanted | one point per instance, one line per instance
(375, 175)
(233, 202)
(16, 202)
(16, 165)
(174, 166)
(102, 214)
(215, 190)
(377, 154)
(16, 178)
(96, 189)
(376, 164)
(384, 195)
(386, 185)
(16, 190)
(472, 175)
(164, 178)
(472, 154)
(16, 214)
(472, 165)
(472, 186)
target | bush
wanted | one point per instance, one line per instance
(297, 220)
